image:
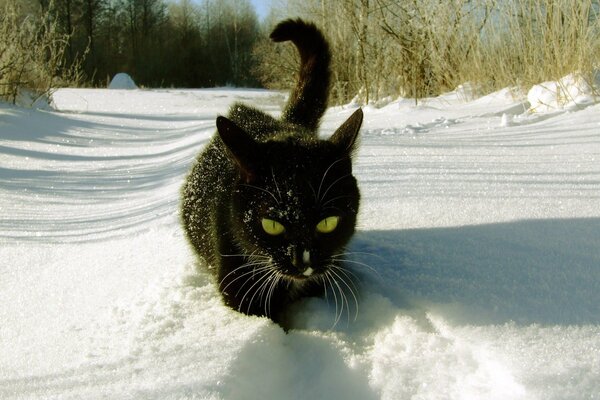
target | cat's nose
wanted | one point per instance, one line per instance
(301, 260)
(306, 257)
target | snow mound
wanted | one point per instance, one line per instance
(569, 92)
(30, 99)
(122, 81)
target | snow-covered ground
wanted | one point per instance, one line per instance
(480, 222)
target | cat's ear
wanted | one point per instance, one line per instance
(345, 136)
(241, 147)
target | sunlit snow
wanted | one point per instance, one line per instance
(478, 241)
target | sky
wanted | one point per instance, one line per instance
(261, 7)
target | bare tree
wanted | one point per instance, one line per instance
(32, 52)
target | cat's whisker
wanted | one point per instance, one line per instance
(275, 278)
(343, 298)
(253, 260)
(258, 281)
(262, 190)
(334, 199)
(245, 282)
(332, 185)
(321, 277)
(344, 301)
(246, 255)
(264, 292)
(267, 286)
(327, 283)
(350, 253)
(232, 272)
(261, 289)
(270, 292)
(369, 268)
(244, 266)
(333, 271)
(325, 287)
(245, 274)
(337, 316)
(273, 283)
(276, 185)
(325, 175)
(352, 277)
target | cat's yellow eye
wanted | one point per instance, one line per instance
(272, 227)
(328, 224)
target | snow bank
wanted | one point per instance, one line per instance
(29, 99)
(571, 92)
(568, 93)
(122, 81)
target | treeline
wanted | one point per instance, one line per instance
(381, 48)
(160, 43)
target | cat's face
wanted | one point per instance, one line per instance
(295, 205)
(300, 215)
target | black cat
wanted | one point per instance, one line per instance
(268, 205)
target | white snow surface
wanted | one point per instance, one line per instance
(480, 224)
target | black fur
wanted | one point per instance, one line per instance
(259, 167)
(308, 100)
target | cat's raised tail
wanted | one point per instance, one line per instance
(308, 100)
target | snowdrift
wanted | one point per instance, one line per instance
(570, 92)
(122, 81)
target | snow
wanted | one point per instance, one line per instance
(569, 92)
(122, 81)
(480, 226)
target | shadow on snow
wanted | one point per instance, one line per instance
(530, 271)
